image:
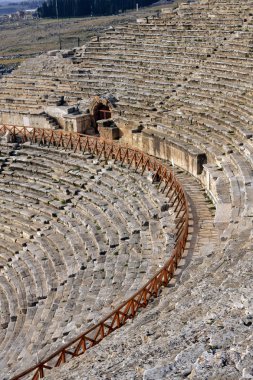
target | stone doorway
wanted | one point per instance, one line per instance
(102, 112)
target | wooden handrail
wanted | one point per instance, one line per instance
(167, 181)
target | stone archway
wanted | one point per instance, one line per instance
(102, 112)
(100, 109)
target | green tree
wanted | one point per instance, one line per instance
(78, 8)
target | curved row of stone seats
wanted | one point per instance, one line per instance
(84, 236)
(120, 338)
(214, 140)
(199, 110)
(35, 92)
(230, 168)
(228, 181)
(166, 332)
(229, 125)
(228, 85)
(109, 50)
(194, 122)
(66, 86)
(196, 46)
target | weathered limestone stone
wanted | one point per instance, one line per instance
(67, 255)
(179, 86)
(107, 130)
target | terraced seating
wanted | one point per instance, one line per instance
(167, 331)
(77, 238)
(92, 233)
(125, 63)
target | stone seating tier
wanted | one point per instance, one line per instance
(193, 95)
(78, 237)
(121, 42)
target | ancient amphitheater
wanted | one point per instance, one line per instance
(126, 198)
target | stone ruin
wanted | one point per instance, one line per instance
(79, 235)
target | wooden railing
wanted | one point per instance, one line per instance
(167, 184)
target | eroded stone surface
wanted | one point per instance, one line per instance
(183, 84)
(78, 237)
(201, 329)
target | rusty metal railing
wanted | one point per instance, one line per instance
(168, 184)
